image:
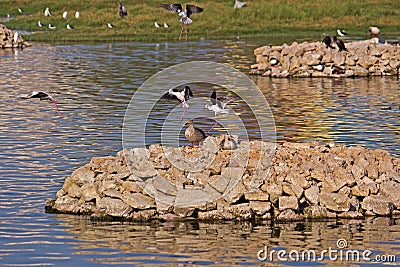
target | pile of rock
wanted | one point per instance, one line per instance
(363, 58)
(10, 39)
(305, 180)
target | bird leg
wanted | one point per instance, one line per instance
(212, 127)
(186, 32)
(58, 111)
(184, 109)
(180, 35)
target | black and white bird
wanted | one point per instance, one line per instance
(52, 27)
(65, 15)
(239, 4)
(341, 33)
(47, 12)
(20, 11)
(122, 11)
(166, 25)
(39, 24)
(327, 41)
(43, 97)
(181, 96)
(185, 19)
(218, 104)
(109, 25)
(156, 24)
(339, 43)
(69, 27)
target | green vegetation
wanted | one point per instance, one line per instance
(219, 20)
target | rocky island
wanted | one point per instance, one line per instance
(302, 181)
(11, 39)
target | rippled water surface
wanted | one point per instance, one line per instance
(93, 85)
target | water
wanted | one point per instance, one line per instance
(93, 85)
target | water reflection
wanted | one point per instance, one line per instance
(93, 85)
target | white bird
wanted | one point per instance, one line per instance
(65, 15)
(51, 26)
(166, 25)
(375, 31)
(39, 24)
(69, 27)
(181, 96)
(109, 25)
(47, 12)
(77, 14)
(273, 61)
(8, 15)
(341, 33)
(20, 10)
(15, 37)
(218, 104)
(239, 4)
(156, 24)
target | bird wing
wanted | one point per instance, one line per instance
(191, 9)
(172, 7)
(214, 97)
(188, 92)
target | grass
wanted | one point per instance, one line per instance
(219, 19)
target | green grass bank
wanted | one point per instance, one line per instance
(219, 19)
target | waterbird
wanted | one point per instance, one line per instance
(15, 37)
(327, 41)
(273, 61)
(339, 43)
(228, 143)
(194, 134)
(156, 24)
(185, 19)
(51, 26)
(69, 27)
(182, 96)
(109, 25)
(218, 104)
(77, 14)
(239, 4)
(47, 12)
(65, 15)
(166, 25)
(39, 24)
(341, 33)
(43, 96)
(122, 11)
(20, 11)
(374, 30)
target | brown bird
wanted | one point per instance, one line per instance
(193, 134)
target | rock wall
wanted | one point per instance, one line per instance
(7, 39)
(306, 180)
(363, 58)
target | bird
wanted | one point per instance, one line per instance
(122, 11)
(40, 24)
(341, 33)
(239, 4)
(69, 27)
(77, 14)
(374, 30)
(185, 19)
(156, 24)
(339, 43)
(337, 70)
(228, 143)
(15, 37)
(51, 26)
(109, 25)
(218, 104)
(20, 11)
(47, 12)
(327, 41)
(166, 25)
(181, 96)
(273, 61)
(65, 15)
(43, 96)
(194, 134)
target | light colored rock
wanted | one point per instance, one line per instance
(335, 201)
(288, 202)
(378, 205)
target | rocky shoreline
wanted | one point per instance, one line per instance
(7, 39)
(303, 181)
(315, 59)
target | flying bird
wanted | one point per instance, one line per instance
(194, 134)
(339, 43)
(185, 19)
(218, 104)
(239, 4)
(43, 96)
(181, 96)
(122, 11)
(327, 41)
(47, 12)
(65, 15)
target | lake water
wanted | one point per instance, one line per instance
(93, 85)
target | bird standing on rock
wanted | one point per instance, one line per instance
(194, 134)
(184, 14)
(327, 41)
(339, 43)
(375, 31)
